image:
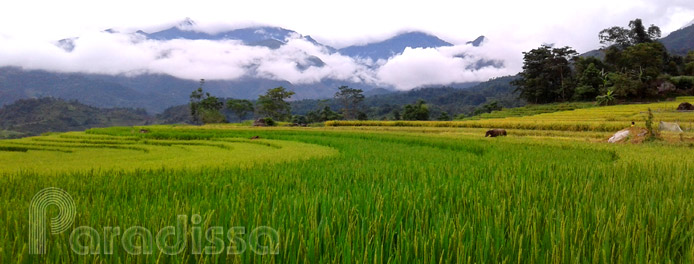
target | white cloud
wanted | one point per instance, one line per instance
(105, 53)
(298, 61)
(431, 66)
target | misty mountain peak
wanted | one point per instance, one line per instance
(271, 37)
(186, 24)
(680, 41)
(67, 44)
(395, 45)
(691, 23)
(421, 39)
(477, 42)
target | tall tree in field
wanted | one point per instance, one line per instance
(194, 105)
(560, 66)
(240, 107)
(272, 104)
(205, 108)
(547, 75)
(350, 99)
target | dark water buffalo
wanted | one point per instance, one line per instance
(495, 133)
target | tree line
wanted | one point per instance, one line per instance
(205, 108)
(635, 66)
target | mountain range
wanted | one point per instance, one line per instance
(30, 117)
(394, 46)
(681, 41)
(276, 37)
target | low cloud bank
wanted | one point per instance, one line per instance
(298, 61)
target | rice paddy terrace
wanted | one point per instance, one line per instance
(583, 118)
(370, 193)
(78, 151)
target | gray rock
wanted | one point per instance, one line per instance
(666, 126)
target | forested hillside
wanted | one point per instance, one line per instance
(34, 116)
(635, 67)
(453, 101)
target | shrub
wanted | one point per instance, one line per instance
(652, 132)
(299, 120)
(269, 121)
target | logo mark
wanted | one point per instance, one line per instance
(38, 211)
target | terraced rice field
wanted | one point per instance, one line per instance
(77, 151)
(376, 194)
(600, 119)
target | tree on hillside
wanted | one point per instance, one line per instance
(300, 120)
(625, 85)
(622, 38)
(205, 108)
(417, 111)
(674, 65)
(350, 99)
(396, 115)
(240, 107)
(362, 116)
(617, 39)
(547, 75)
(637, 70)
(488, 108)
(689, 64)
(646, 59)
(561, 67)
(636, 60)
(444, 116)
(272, 104)
(590, 81)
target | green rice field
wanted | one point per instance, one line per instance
(368, 194)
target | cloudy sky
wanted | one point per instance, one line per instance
(27, 26)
